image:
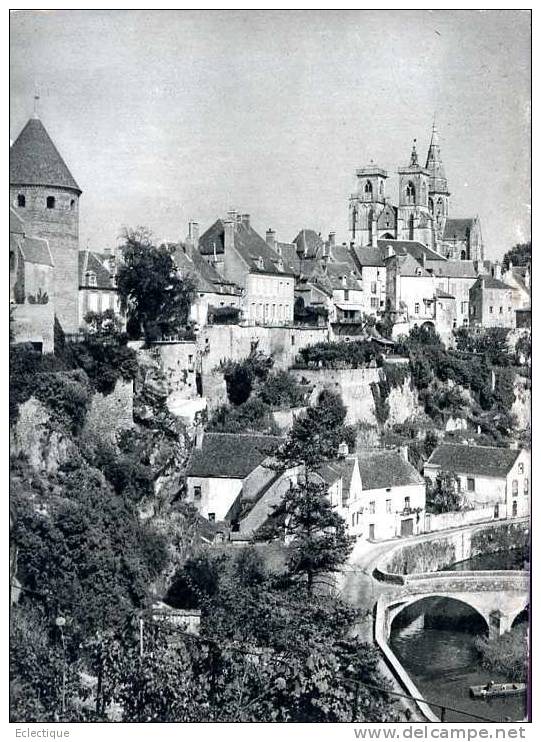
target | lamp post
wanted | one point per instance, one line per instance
(61, 622)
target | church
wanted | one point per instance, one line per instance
(422, 211)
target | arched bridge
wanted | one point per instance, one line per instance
(498, 596)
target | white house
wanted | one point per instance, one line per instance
(221, 465)
(488, 476)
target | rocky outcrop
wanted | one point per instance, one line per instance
(522, 406)
(45, 446)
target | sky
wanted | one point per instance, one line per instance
(166, 116)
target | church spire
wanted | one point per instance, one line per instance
(36, 104)
(414, 159)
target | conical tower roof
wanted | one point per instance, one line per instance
(34, 160)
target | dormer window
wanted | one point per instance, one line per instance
(50, 202)
(418, 272)
(90, 278)
(21, 200)
(260, 263)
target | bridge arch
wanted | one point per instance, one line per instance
(397, 609)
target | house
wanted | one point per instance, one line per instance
(31, 285)
(455, 278)
(392, 497)
(372, 270)
(214, 294)
(97, 283)
(519, 278)
(243, 258)
(225, 467)
(488, 476)
(492, 303)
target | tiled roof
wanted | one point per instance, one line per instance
(370, 256)
(411, 267)
(34, 160)
(231, 455)
(309, 243)
(490, 282)
(207, 277)
(458, 229)
(335, 273)
(16, 224)
(292, 263)
(36, 251)
(411, 247)
(259, 257)
(382, 469)
(452, 268)
(481, 460)
(92, 262)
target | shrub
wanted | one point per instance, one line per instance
(281, 390)
(506, 654)
(252, 415)
(356, 354)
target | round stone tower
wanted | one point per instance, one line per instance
(45, 195)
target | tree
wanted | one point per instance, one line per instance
(443, 495)
(240, 376)
(316, 534)
(520, 254)
(316, 434)
(104, 324)
(151, 290)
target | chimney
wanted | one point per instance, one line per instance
(343, 450)
(326, 255)
(332, 238)
(403, 451)
(193, 235)
(229, 235)
(246, 220)
(232, 216)
(199, 435)
(270, 237)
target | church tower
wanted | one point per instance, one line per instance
(45, 195)
(366, 205)
(438, 192)
(414, 218)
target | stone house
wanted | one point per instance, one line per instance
(492, 303)
(243, 258)
(225, 468)
(97, 283)
(213, 291)
(391, 499)
(455, 278)
(488, 476)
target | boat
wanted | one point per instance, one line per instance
(491, 690)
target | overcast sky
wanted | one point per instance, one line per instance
(165, 116)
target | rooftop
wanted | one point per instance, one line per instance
(383, 469)
(93, 262)
(231, 455)
(458, 229)
(34, 160)
(482, 460)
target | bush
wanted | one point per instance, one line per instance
(281, 390)
(506, 654)
(252, 415)
(357, 354)
(240, 376)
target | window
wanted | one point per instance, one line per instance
(497, 510)
(372, 506)
(72, 204)
(526, 486)
(368, 188)
(211, 517)
(21, 200)
(501, 310)
(407, 503)
(470, 484)
(374, 287)
(515, 509)
(197, 493)
(346, 294)
(464, 307)
(50, 202)
(90, 278)
(417, 307)
(373, 303)
(514, 486)
(388, 505)
(521, 468)
(491, 310)
(410, 193)
(293, 340)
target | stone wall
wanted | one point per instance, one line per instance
(32, 436)
(354, 387)
(234, 342)
(34, 323)
(109, 414)
(522, 406)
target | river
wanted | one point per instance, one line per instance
(435, 641)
